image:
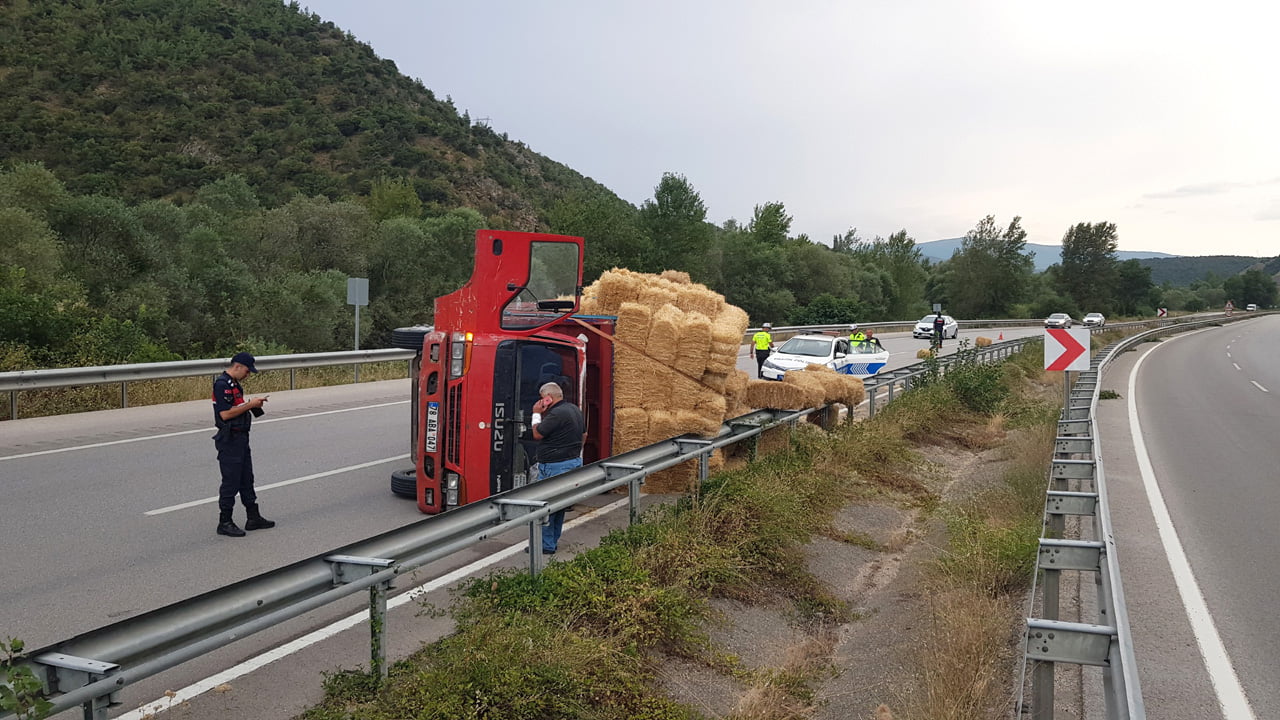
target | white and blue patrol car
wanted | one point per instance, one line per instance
(838, 353)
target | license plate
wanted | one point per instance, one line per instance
(433, 426)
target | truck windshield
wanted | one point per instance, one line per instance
(550, 292)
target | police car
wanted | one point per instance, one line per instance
(838, 353)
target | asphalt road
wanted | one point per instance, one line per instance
(1207, 405)
(107, 515)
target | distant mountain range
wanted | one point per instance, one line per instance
(1044, 255)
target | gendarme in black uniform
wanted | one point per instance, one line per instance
(235, 461)
(562, 428)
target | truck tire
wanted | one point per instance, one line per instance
(405, 483)
(410, 338)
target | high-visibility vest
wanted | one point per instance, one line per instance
(858, 337)
(762, 340)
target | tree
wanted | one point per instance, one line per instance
(1134, 289)
(1088, 272)
(611, 228)
(676, 221)
(901, 260)
(770, 223)
(393, 197)
(1251, 286)
(991, 271)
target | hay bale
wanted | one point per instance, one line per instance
(677, 479)
(682, 393)
(655, 296)
(715, 381)
(630, 429)
(711, 405)
(814, 367)
(814, 390)
(734, 318)
(692, 422)
(663, 425)
(634, 320)
(776, 395)
(982, 342)
(735, 385)
(676, 276)
(924, 353)
(629, 378)
(695, 344)
(590, 303)
(664, 334)
(715, 463)
(616, 287)
(854, 393)
(699, 299)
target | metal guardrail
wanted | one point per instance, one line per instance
(17, 381)
(1077, 488)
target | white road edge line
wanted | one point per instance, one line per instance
(282, 483)
(200, 687)
(1255, 383)
(191, 432)
(1226, 684)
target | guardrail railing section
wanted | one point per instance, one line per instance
(1077, 538)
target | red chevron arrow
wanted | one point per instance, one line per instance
(1070, 349)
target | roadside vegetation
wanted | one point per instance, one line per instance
(586, 639)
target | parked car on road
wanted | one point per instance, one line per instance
(1251, 307)
(924, 328)
(1058, 320)
(1094, 320)
(837, 353)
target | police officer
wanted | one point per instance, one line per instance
(763, 342)
(233, 414)
(939, 326)
(856, 336)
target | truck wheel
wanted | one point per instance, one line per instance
(410, 338)
(405, 483)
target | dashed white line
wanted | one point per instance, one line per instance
(1255, 384)
(1226, 684)
(179, 697)
(282, 483)
(190, 432)
(1237, 365)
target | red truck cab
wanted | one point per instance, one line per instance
(495, 341)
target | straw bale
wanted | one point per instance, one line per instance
(815, 367)
(655, 296)
(590, 304)
(721, 364)
(664, 334)
(982, 342)
(676, 276)
(663, 425)
(630, 429)
(684, 393)
(658, 384)
(629, 386)
(815, 391)
(697, 298)
(698, 424)
(711, 405)
(855, 391)
(715, 463)
(677, 479)
(726, 349)
(695, 344)
(736, 383)
(616, 287)
(634, 320)
(735, 318)
(924, 353)
(715, 381)
(736, 408)
(780, 396)
(775, 439)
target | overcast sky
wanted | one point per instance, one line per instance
(1161, 117)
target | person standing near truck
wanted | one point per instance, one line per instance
(233, 415)
(560, 430)
(763, 343)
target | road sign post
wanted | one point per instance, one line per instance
(357, 294)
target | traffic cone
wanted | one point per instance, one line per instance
(1001, 335)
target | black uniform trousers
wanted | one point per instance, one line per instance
(236, 463)
(761, 356)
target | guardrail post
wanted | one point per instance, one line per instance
(349, 568)
(76, 672)
(871, 401)
(511, 509)
(13, 404)
(616, 471)
(293, 378)
(124, 394)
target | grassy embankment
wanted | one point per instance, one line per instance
(584, 640)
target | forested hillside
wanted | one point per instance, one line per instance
(1183, 271)
(142, 99)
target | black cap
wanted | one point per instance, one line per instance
(244, 359)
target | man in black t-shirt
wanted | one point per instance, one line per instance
(560, 429)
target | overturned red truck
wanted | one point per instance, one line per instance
(495, 341)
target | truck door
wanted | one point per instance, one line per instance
(521, 367)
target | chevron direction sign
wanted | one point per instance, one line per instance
(1066, 349)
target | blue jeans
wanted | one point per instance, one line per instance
(555, 521)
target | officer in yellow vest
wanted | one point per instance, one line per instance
(763, 343)
(856, 336)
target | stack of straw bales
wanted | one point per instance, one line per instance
(675, 365)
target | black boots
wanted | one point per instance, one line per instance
(256, 521)
(227, 526)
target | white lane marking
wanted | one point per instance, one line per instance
(1228, 353)
(282, 483)
(192, 432)
(1237, 365)
(200, 687)
(1222, 673)
(1255, 384)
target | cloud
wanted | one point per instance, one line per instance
(1271, 212)
(1209, 188)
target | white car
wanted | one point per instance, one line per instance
(1058, 320)
(837, 353)
(924, 328)
(1094, 320)
(1251, 307)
